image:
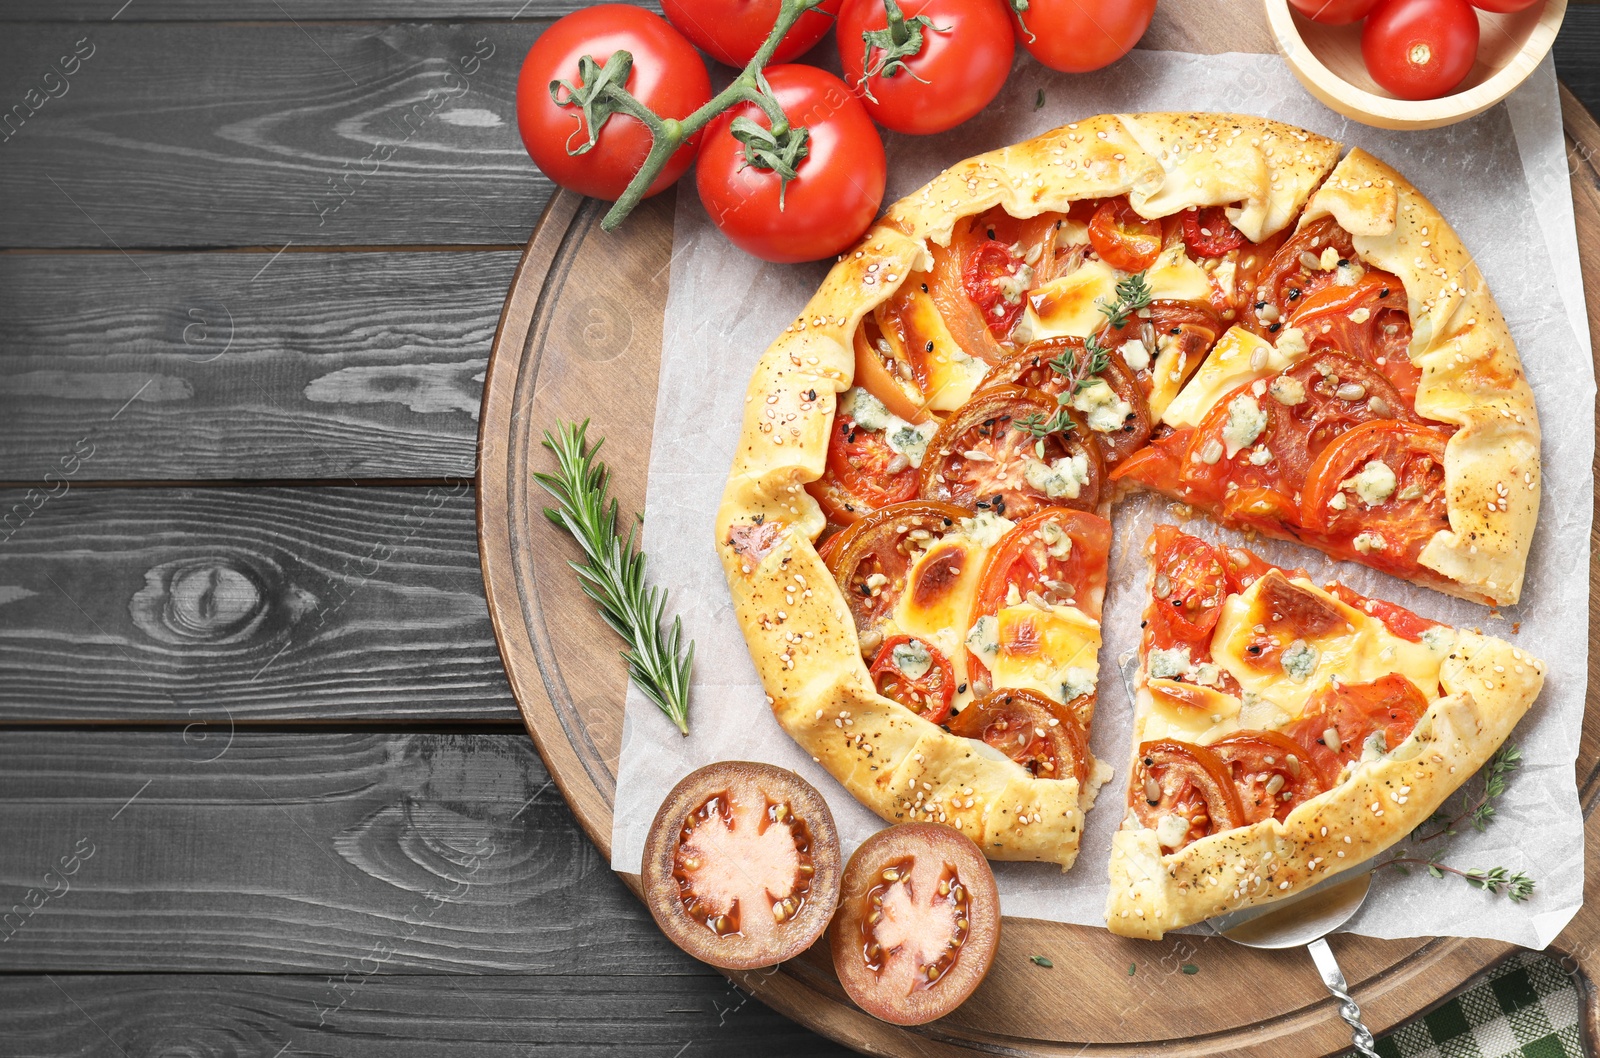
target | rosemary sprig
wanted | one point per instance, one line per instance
(1479, 813)
(613, 576)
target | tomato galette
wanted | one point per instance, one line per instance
(1215, 307)
(1284, 731)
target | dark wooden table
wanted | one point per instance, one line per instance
(263, 788)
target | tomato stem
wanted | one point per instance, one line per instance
(602, 94)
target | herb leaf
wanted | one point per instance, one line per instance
(613, 573)
(1040, 960)
(1190, 968)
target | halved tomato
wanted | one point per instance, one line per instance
(1369, 321)
(1341, 719)
(1296, 271)
(917, 925)
(985, 458)
(1187, 590)
(874, 559)
(1208, 232)
(1190, 783)
(1123, 239)
(1399, 464)
(863, 473)
(916, 674)
(741, 865)
(1272, 772)
(1032, 368)
(1038, 733)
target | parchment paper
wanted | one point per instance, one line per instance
(1500, 179)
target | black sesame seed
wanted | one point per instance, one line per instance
(1275, 328)
(930, 345)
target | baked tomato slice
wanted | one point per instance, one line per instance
(1123, 239)
(873, 562)
(1248, 458)
(986, 458)
(863, 473)
(1302, 266)
(916, 674)
(1272, 772)
(1396, 619)
(1058, 555)
(1208, 232)
(980, 281)
(917, 925)
(741, 865)
(1370, 321)
(1187, 590)
(1159, 465)
(1059, 366)
(1329, 392)
(1183, 792)
(1038, 733)
(1379, 490)
(1343, 721)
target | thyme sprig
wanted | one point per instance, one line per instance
(1478, 812)
(613, 575)
(1133, 294)
(1039, 426)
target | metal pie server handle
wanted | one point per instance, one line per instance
(1349, 1010)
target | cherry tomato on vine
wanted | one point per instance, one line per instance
(932, 64)
(732, 31)
(1076, 36)
(1504, 6)
(839, 182)
(1420, 49)
(1334, 12)
(668, 76)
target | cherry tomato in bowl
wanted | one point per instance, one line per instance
(1420, 49)
(964, 58)
(1334, 12)
(668, 76)
(839, 185)
(732, 31)
(1076, 36)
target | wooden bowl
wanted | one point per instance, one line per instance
(1327, 60)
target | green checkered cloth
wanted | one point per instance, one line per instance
(1527, 1008)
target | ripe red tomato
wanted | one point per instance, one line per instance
(1504, 6)
(840, 182)
(1076, 36)
(668, 76)
(732, 31)
(1334, 12)
(1420, 49)
(964, 60)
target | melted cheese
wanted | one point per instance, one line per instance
(1051, 651)
(940, 617)
(909, 322)
(1174, 276)
(1237, 358)
(1359, 651)
(1184, 711)
(1070, 305)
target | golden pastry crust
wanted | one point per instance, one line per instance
(794, 619)
(1471, 377)
(1488, 685)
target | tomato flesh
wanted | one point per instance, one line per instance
(863, 472)
(874, 557)
(1340, 719)
(1173, 778)
(1040, 734)
(1209, 233)
(1272, 772)
(1123, 239)
(1407, 459)
(929, 692)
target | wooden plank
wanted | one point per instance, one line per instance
(1576, 49)
(189, 850)
(246, 365)
(379, 1016)
(239, 606)
(205, 135)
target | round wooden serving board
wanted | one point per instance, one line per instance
(580, 338)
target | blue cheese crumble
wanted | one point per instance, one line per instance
(1104, 411)
(1300, 661)
(912, 659)
(1374, 483)
(984, 639)
(1063, 479)
(1245, 422)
